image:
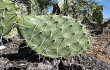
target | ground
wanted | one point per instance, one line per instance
(17, 56)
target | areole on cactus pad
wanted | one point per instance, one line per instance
(54, 35)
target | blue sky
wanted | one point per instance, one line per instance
(106, 4)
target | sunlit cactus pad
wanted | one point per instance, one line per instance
(54, 35)
(8, 16)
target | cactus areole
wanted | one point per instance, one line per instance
(54, 35)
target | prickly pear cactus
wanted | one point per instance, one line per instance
(8, 16)
(54, 35)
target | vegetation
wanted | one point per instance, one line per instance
(59, 34)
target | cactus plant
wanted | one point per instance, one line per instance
(64, 5)
(97, 15)
(8, 16)
(49, 35)
(54, 35)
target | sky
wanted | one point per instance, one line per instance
(105, 3)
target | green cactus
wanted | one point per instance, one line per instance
(97, 15)
(49, 35)
(54, 35)
(8, 16)
(64, 5)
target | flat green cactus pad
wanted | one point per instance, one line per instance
(54, 35)
(8, 16)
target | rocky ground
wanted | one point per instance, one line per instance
(17, 56)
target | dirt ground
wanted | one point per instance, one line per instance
(17, 56)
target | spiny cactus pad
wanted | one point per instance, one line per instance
(54, 35)
(8, 16)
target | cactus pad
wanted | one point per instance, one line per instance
(8, 16)
(54, 35)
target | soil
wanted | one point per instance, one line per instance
(17, 56)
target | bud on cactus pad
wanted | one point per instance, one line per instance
(54, 35)
(8, 16)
